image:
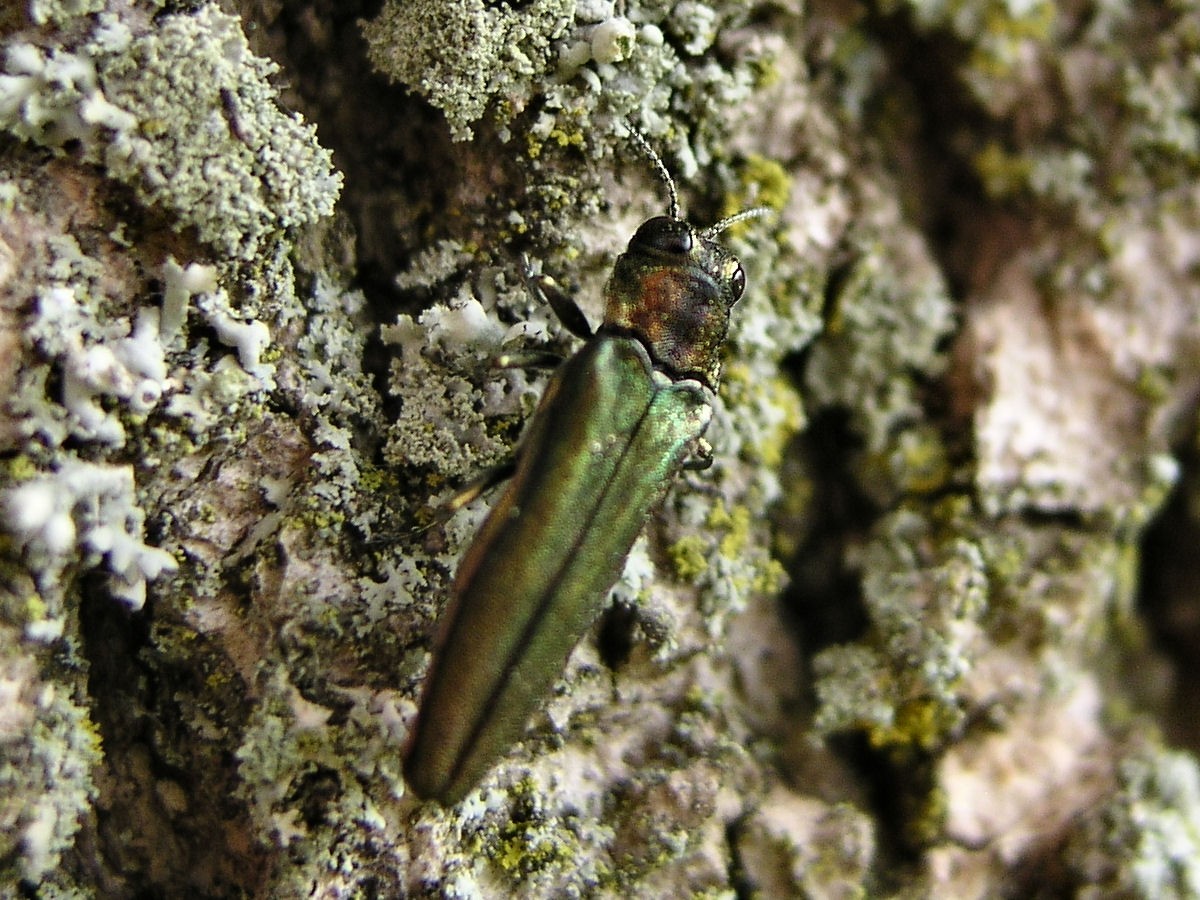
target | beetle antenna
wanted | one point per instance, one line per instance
(658, 164)
(713, 230)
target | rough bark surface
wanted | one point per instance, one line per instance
(926, 628)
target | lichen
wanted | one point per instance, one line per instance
(463, 55)
(98, 358)
(82, 515)
(926, 594)
(885, 324)
(62, 11)
(114, 401)
(176, 381)
(135, 101)
(1143, 840)
(467, 59)
(49, 751)
(999, 34)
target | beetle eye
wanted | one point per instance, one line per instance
(665, 234)
(737, 282)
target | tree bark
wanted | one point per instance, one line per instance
(926, 627)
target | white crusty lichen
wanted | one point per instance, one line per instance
(83, 513)
(186, 114)
(98, 360)
(180, 285)
(114, 372)
(61, 12)
(446, 423)
(288, 741)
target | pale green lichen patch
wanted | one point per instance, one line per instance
(49, 750)
(589, 64)
(258, 171)
(887, 322)
(461, 56)
(926, 593)
(186, 114)
(116, 403)
(1143, 841)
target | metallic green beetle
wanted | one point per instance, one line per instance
(616, 424)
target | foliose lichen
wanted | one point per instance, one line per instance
(130, 100)
(463, 56)
(61, 12)
(49, 750)
(605, 62)
(84, 515)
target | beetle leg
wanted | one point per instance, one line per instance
(530, 359)
(477, 488)
(702, 457)
(546, 290)
(443, 512)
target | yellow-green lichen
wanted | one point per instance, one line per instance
(919, 463)
(1003, 174)
(689, 557)
(763, 182)
(772, 409)
(21, 467)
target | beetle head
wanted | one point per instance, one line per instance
(674, 286)
(673, 289)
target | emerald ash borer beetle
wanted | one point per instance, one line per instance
(617, 423)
